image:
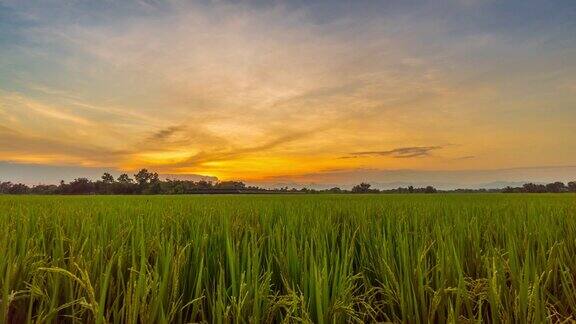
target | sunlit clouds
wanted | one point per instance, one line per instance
(257, 92)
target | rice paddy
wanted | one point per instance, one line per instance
(288, 258)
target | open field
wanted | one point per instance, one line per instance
(292, 258)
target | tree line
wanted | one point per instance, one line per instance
(554, 187)
(149, 183)
(143, 183)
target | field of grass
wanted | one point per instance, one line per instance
(288, 258)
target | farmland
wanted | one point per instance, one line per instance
(288, 258)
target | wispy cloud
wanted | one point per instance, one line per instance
(165, 133)
(401, 152)
(466, 157)
(238, 152)
(44, 110)
(19, 147)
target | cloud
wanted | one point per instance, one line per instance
(44, 110)
(467, 157)
(235, 152)
(401, 152)
(16, 146)
(165, 133)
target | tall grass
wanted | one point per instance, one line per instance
(263, 259)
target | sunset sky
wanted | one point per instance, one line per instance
(333, 92)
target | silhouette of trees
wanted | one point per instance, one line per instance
(230, 185)
(5, 187)
(13, 188)
(555, 187)
(147, 183)
(430, 189)
(79, 186)
(412, 190)
(124, 178)
(362, 188)
(107, 178)
(534, 188)
(43, 190)
(144, 177)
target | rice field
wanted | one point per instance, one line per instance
(288, 258)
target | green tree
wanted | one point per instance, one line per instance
(124, 178)
(107, 178)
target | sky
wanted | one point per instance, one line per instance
(452, 93)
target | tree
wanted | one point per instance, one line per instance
(555, 187)
(80, 186)
(124, 185)
(44, 189)
(107, 178)
(148, 182)
(533, 188)
(18, 189)
(143, 177)
(204, 185)
(430, 189)
(361, 188)
(124, 178)
(153, 186)
(572, 186)
(231, 185)
(13, 188)
(5, 187)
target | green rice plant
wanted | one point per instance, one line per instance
(494, 258)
